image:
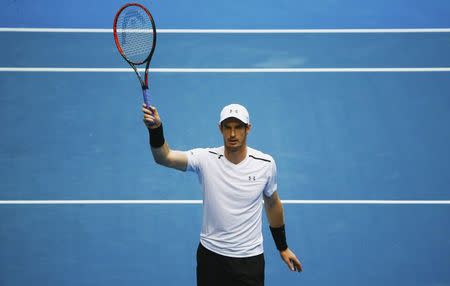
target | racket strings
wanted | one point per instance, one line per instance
(135, 34)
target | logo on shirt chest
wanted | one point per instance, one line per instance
(252, 178)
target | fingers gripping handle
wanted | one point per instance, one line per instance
(146, 95)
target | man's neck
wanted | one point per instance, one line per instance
(236, 156)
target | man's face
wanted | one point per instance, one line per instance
(234, 134)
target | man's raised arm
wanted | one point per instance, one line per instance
(162, 154)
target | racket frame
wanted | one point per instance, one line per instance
(144, 83)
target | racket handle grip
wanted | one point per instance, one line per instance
(146, 95)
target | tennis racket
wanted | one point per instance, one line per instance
(135, 38)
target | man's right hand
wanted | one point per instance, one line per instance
(151, 117)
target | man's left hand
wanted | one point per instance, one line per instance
(291, 260)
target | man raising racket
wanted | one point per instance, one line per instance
(235, 180)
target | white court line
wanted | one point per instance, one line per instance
(190, 202)
(236, 31)
(228, 70)
(99, 202)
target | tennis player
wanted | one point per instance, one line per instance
(235, 180)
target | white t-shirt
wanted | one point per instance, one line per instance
(232, 199)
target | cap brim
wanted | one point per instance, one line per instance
(240, 119)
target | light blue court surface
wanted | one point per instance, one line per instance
(380, 137)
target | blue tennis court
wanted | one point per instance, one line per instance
(357, 121)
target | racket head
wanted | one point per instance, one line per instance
(135, 34)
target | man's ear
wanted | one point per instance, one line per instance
(247, 129)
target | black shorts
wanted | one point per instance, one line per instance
(218, 270)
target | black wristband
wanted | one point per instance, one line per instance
(279, 236)
(156, 136)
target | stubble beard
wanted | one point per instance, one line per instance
(235, 148)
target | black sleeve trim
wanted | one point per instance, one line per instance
(219, 156)
(257, 158)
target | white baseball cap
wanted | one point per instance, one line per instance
(235, 111)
